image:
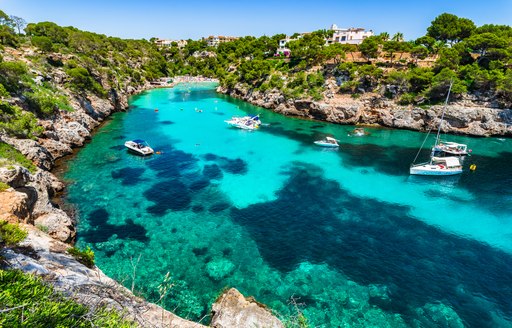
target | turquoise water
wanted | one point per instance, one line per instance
(347, 233)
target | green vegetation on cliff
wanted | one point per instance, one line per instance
(27, 301)
(478, 59)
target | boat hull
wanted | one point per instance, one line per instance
(144, 151)
(326, 145)
(433, 170)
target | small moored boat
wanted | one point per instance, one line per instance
(327, 142)
(358, 132)
(438, 166)
(245, 122)
(139, 146)
(451, 149)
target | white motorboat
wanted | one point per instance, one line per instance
(451, 148)
(327, 142)
(358, 132)
(245, 122)
(437, 166)
(139, 146)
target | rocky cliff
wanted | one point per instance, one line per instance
(51, 230)
(462, 117)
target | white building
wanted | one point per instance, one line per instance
(348, 35)
(214, 41)
(282, 49)
(163, 43)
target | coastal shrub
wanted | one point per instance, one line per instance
(85, 256)
(45, 101)
(3, 186)
(27, 301)
(11, 75)
(11, 233)
(504, 87)
(3, 92)
(11, 156)
(441, 83)
(81, 80)
(42, 42)
(16, 122)
(407, 98)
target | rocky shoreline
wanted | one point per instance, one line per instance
(465, 116)
(52, 231)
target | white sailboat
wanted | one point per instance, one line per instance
(437, 166)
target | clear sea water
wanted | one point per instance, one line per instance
(347, 233)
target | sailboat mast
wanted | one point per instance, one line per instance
(444, 110)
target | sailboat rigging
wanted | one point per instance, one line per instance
(437, 166)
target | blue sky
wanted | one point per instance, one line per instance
(194, 19)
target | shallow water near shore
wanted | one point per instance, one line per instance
(346, 233)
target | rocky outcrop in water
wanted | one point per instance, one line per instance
(232, 309)
(463, 117)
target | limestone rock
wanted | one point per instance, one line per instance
(58, 225)
(468, 116)
(90, 287)
(56, 148)
(15, 176)
(33, 151)
(233, 310)
(41, 189)
(14, 206)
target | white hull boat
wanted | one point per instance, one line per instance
(327, 142)
(139, 146)
(451, 148)
(245, 122)
(438, 166)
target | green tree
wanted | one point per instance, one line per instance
(18, 22)
(42, 42)
(333, 51)
(370, 47)
(427, 42)
(441, 83)
(398, 37)
(450, 28)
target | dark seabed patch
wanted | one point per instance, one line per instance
(129, 176)
(121, 137)
(200, 251)
(390, 160)
(197, 208)
(117, 147)
(489, 179)
(102, 230)
(233, 166)
(212, 171)
(218, 207)
(374, 242)
(172, 163)
(168, 195)
(199, 184)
